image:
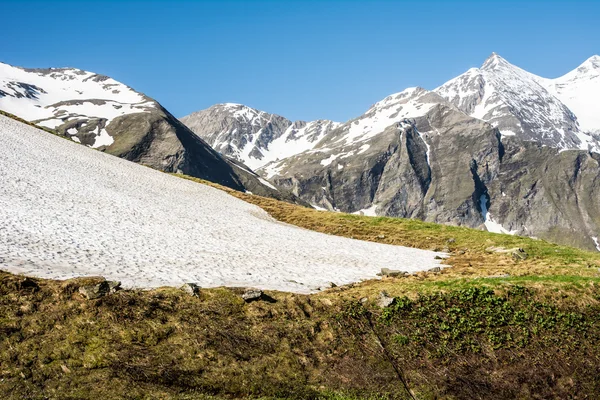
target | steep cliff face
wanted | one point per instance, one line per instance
(434, 166)
(541, 192)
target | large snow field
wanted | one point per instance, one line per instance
(67, 211)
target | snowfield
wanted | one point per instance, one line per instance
(67, 211)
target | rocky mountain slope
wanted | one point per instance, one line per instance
(494, 148)
(106, 115)
(255, 137)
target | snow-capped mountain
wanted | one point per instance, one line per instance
(522, 104)
(483, 150)
(99, 112)
(255, 137)
(79, 103)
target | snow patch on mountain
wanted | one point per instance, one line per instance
(52, 97)
(489, 222)
(159, 230)
(392, 109)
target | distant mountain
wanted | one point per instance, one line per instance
(523, 104)
(487, 149)
(104, 114)
(580, 91)
(255, 137)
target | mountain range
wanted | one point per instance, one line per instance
(497, 147)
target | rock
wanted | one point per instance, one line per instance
(92, 292)
(191, 288)
(113, 286)
(451, 240)
(438, 258)
(252, 294)
(364, 300)
(380, 236)
(435, 269)
(29, 284)
(519, 254)
(385, 300)
(392, 272)
(332, 285)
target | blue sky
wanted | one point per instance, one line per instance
(304, 60)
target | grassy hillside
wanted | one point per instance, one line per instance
(492, 327)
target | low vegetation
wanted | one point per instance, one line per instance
(500, 323)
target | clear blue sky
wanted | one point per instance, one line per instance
(304, 60)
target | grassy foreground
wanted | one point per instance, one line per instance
(490, 327)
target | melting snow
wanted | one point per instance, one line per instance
(68, 211)
(490, 224)
(369, 211)
(595, 239)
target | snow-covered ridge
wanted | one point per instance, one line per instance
(558, 112)
(255, 137)
(56, 96)
(580, 91)
(159, 229)
(410, 103)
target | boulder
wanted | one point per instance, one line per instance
(385, 300)
(252, 294)
(191, 288)
(92, 292)
(113, 286)
(519, 254)
(392, 272)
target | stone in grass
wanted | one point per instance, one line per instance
(392, 272)
(252, 294)
(113, 286)
(29, 284)
(191, 288)
(385, 300)
(435, 269)
(519, 254)
(101, 289)
(93, 292)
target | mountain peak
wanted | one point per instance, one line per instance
(494, 61)
(593, 62)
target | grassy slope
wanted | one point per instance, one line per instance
(457, 334)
